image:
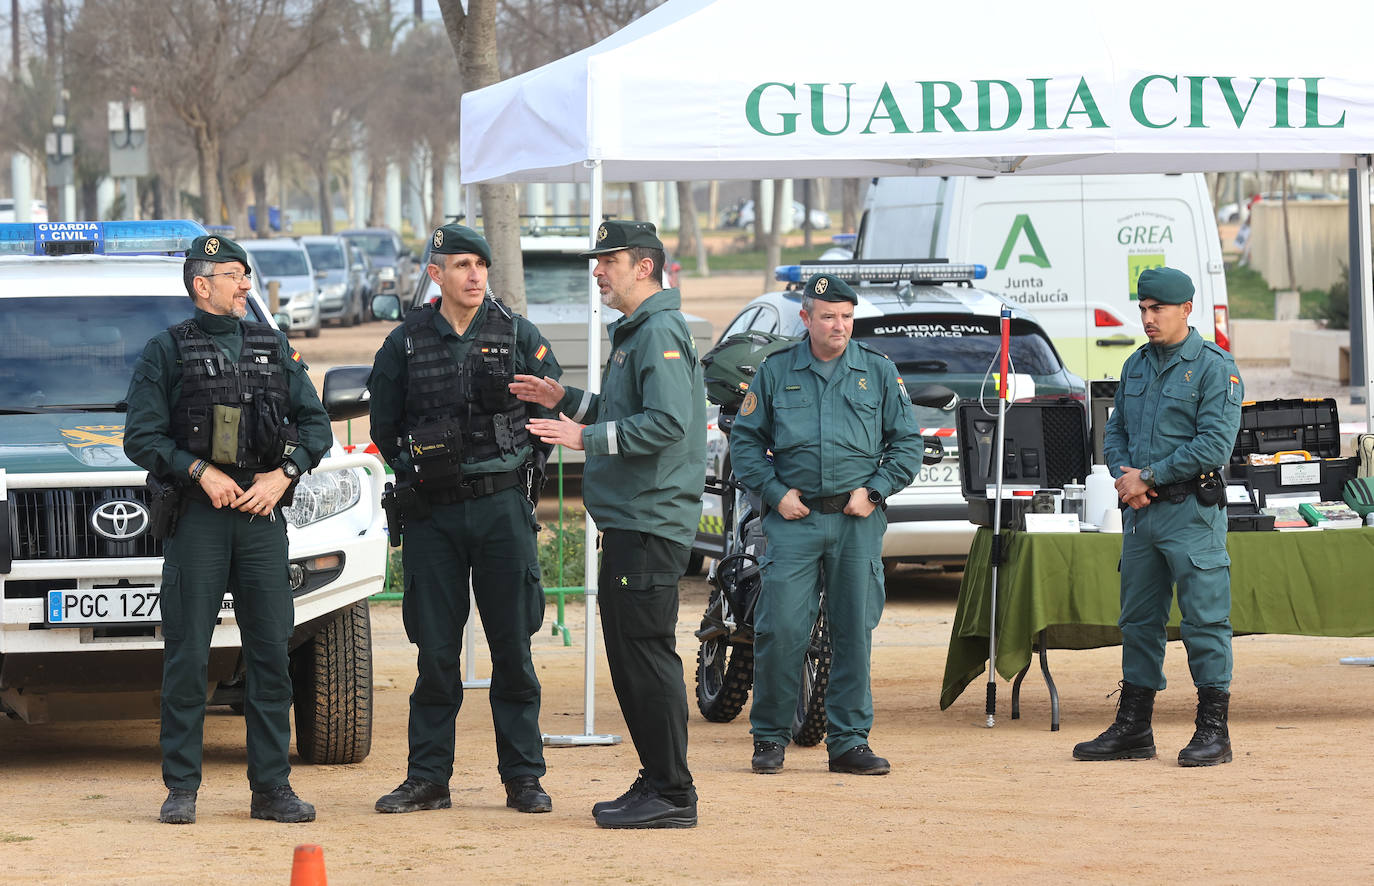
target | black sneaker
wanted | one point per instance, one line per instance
(414, 795)
(860, 761)
(639, 787)
(649, 810)
(768, 757)
(179, 807)
(281, 804)
(525, 794)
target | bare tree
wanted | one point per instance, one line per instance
(473, 36)
(688, 230)
(209, 61)
(772, 241)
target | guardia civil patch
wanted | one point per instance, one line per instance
(751, 402)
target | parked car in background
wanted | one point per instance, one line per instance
(365, 264)
(939, 330)
(391, 262)
(741, 215)
(288, 264)
(342, 279)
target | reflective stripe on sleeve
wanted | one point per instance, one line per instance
(610, 439)
(583, 406)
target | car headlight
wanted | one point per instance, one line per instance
(304, 299)
(323, 495)
(334, 290)
(386, 274)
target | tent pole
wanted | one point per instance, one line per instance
(589, 736)
(1361, 236)
(1003, 394)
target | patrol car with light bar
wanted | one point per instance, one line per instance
(931, 320)
(80, 635)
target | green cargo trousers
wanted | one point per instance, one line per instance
(848, 551)
(1166, 544)
(492, 540)
(211, 552)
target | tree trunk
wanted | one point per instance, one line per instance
(473, 36)
(438, 160)
(756, 192)
(807, 188)
(260, 204)
(773, 244)
(638, 207)
(712, 204)
(376, 181)
(1287, 236)
(326, 205)
(688, 230)
(207, 164)
(849, 221)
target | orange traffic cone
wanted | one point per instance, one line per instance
(307, 868)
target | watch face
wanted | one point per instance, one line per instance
(289, 468)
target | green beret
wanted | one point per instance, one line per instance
(613, 236)
(1165, 285)
(217, 249)
(830, 288)
(455, 239)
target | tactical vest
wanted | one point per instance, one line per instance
(256, 385)
(472, 398)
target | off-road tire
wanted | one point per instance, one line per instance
(808, 721)
(332, 677)
(725, 672)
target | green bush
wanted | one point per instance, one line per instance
(563, 544)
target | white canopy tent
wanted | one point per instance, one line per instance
(745, 89)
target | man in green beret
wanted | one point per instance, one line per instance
(222, 407)
(1174, 427)
(843, 437)
(468, 470)
(645, 440)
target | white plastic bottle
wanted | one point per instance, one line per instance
(1101, 494)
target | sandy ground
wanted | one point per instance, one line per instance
(964, 803)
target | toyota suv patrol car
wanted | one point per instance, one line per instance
(939, 330)
(80, 637)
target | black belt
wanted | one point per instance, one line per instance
(1185, 489)
(831, 504)
(475, 487)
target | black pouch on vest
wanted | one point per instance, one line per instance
(164, 508)
(436, 452)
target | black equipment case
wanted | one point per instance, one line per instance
(1272, 426)
(1046, 447)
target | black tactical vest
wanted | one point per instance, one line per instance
(256, 384)
(473, 396)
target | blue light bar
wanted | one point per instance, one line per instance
(99, 238)
(880, 271)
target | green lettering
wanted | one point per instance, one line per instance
(1195, 103)
(1138, 100)
(929, 106)
(751, 110)
(1281, 103)
(1312, 99)
(818, 109)
(892, 114)
(1084, 96)
(985, 105)
(1039, 103)
(1022, 224)
(1228, 92)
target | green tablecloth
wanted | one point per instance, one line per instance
(1317, 583)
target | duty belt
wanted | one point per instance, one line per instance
(1208, 488)
(831, 504)
(474, 487)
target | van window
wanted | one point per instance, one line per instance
(909, 228)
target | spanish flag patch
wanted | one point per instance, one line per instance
(296, 355)
(539, 354)
(1234, 380)
(672, 355)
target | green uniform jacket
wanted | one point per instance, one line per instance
(827, 436)
(646, 433)
(388, 382)
(156, 388)
(1180, 419)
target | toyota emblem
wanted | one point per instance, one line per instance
(120, 520)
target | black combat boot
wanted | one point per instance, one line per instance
(1211, 742)
(1130, 737)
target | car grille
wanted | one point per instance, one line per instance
(55, 524)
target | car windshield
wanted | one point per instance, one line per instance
(555, 279)
(375, 245)
(87, 358)
(325, 256)
(955, 344)
(280, 262)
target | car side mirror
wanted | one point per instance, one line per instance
(386, 307)
(345, 392)
(934, 396)
(283, 320)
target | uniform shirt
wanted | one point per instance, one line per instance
(646, 434)
(389, 380)
(1177, 414)
(156, 387)
(828, 435)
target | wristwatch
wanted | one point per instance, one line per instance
(290, 469)
(1147, 476)
(874, 497)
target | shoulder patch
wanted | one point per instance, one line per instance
(542, 352)
(751, 402)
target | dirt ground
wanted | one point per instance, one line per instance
(964, 803)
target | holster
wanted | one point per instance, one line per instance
(1211, 490)
(402, 502)
(165, 503)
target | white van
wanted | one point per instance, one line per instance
(1069, 248)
